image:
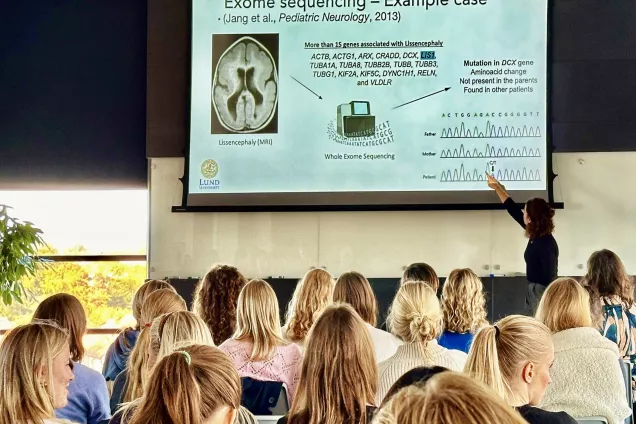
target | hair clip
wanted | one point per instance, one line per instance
(148, 324)
(186, 355)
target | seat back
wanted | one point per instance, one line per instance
(264, 398)
(626, 368)
(268, 419)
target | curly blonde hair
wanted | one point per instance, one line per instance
(464, 302)
(313, 293)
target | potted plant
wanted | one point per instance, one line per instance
(19, 246)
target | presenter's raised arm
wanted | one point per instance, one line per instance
(515, 212)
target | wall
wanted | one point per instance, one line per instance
(600, 212)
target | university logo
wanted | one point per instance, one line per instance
(209, 169)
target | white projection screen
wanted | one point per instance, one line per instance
(361, 104)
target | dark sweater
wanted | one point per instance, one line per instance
(542, 253)
(539, 416)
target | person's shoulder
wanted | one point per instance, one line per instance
(539, 416)
(290, 349)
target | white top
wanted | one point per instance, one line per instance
(385, 344)
(409, 356)
(586, 377)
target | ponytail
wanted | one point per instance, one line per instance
(136, 366)
(483, 360)
(499, 352)
(188, 387)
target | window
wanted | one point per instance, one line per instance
(96, 247)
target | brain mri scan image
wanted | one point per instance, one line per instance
(245, 87)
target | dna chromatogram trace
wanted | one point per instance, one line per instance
(463, 175)
(490, 152)
(492, 131)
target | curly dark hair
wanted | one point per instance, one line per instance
(541, 217)
(215, 300)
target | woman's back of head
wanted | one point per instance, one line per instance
(353, 288)
(215, 300)
(541, 216)
(339, 374)
(195, 385)
(606, 277)
(159, 302)
(26, 372)
(143, 292)
(415, 315)
(258, 320)
(175, 330)
(67, 311)
(499, 352)
(564, 305)
(421, 272)
(448, 397)
(312, 294)
(463, 302)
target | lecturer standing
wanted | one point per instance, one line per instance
(542, 252)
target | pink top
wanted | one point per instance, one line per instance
(284, 366)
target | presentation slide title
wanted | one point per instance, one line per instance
(359, 5)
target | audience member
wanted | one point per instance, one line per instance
(339, 376)
(158, 303)
(168, 332)
(196, 385)
(353, 288)
(464, 306)
(171, 331)
(513, 357)
(421, 272)
(257, 348)
(215, 300)
(88, 400)
(416, 318)
(118, 352)
(313, 293)
(447, 398)
(586, 376)
(35, 372)
(612, 299)
(417, 376)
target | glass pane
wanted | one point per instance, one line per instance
(85, 222)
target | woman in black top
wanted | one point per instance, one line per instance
(542, 252)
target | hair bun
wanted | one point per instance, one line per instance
(421, 328)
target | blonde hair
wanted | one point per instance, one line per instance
(415, 315)
(143, 292)
(463, 302)
(189, 386)
(499, 352)
(24, 352)
(448, 397)
(172, 331)
(157, 303)
(565, 304)
(353, 288)
(339, 376)
(258, 320)
(312, 294)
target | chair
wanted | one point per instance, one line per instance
(268, 419)
(592, 420)
(626, 368)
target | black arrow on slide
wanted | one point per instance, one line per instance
(313, 92)
(417, 100)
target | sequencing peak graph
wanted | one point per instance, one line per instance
(462, 175)
(490, 152)
(492, 131)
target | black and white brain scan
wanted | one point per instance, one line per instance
(245, 86)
